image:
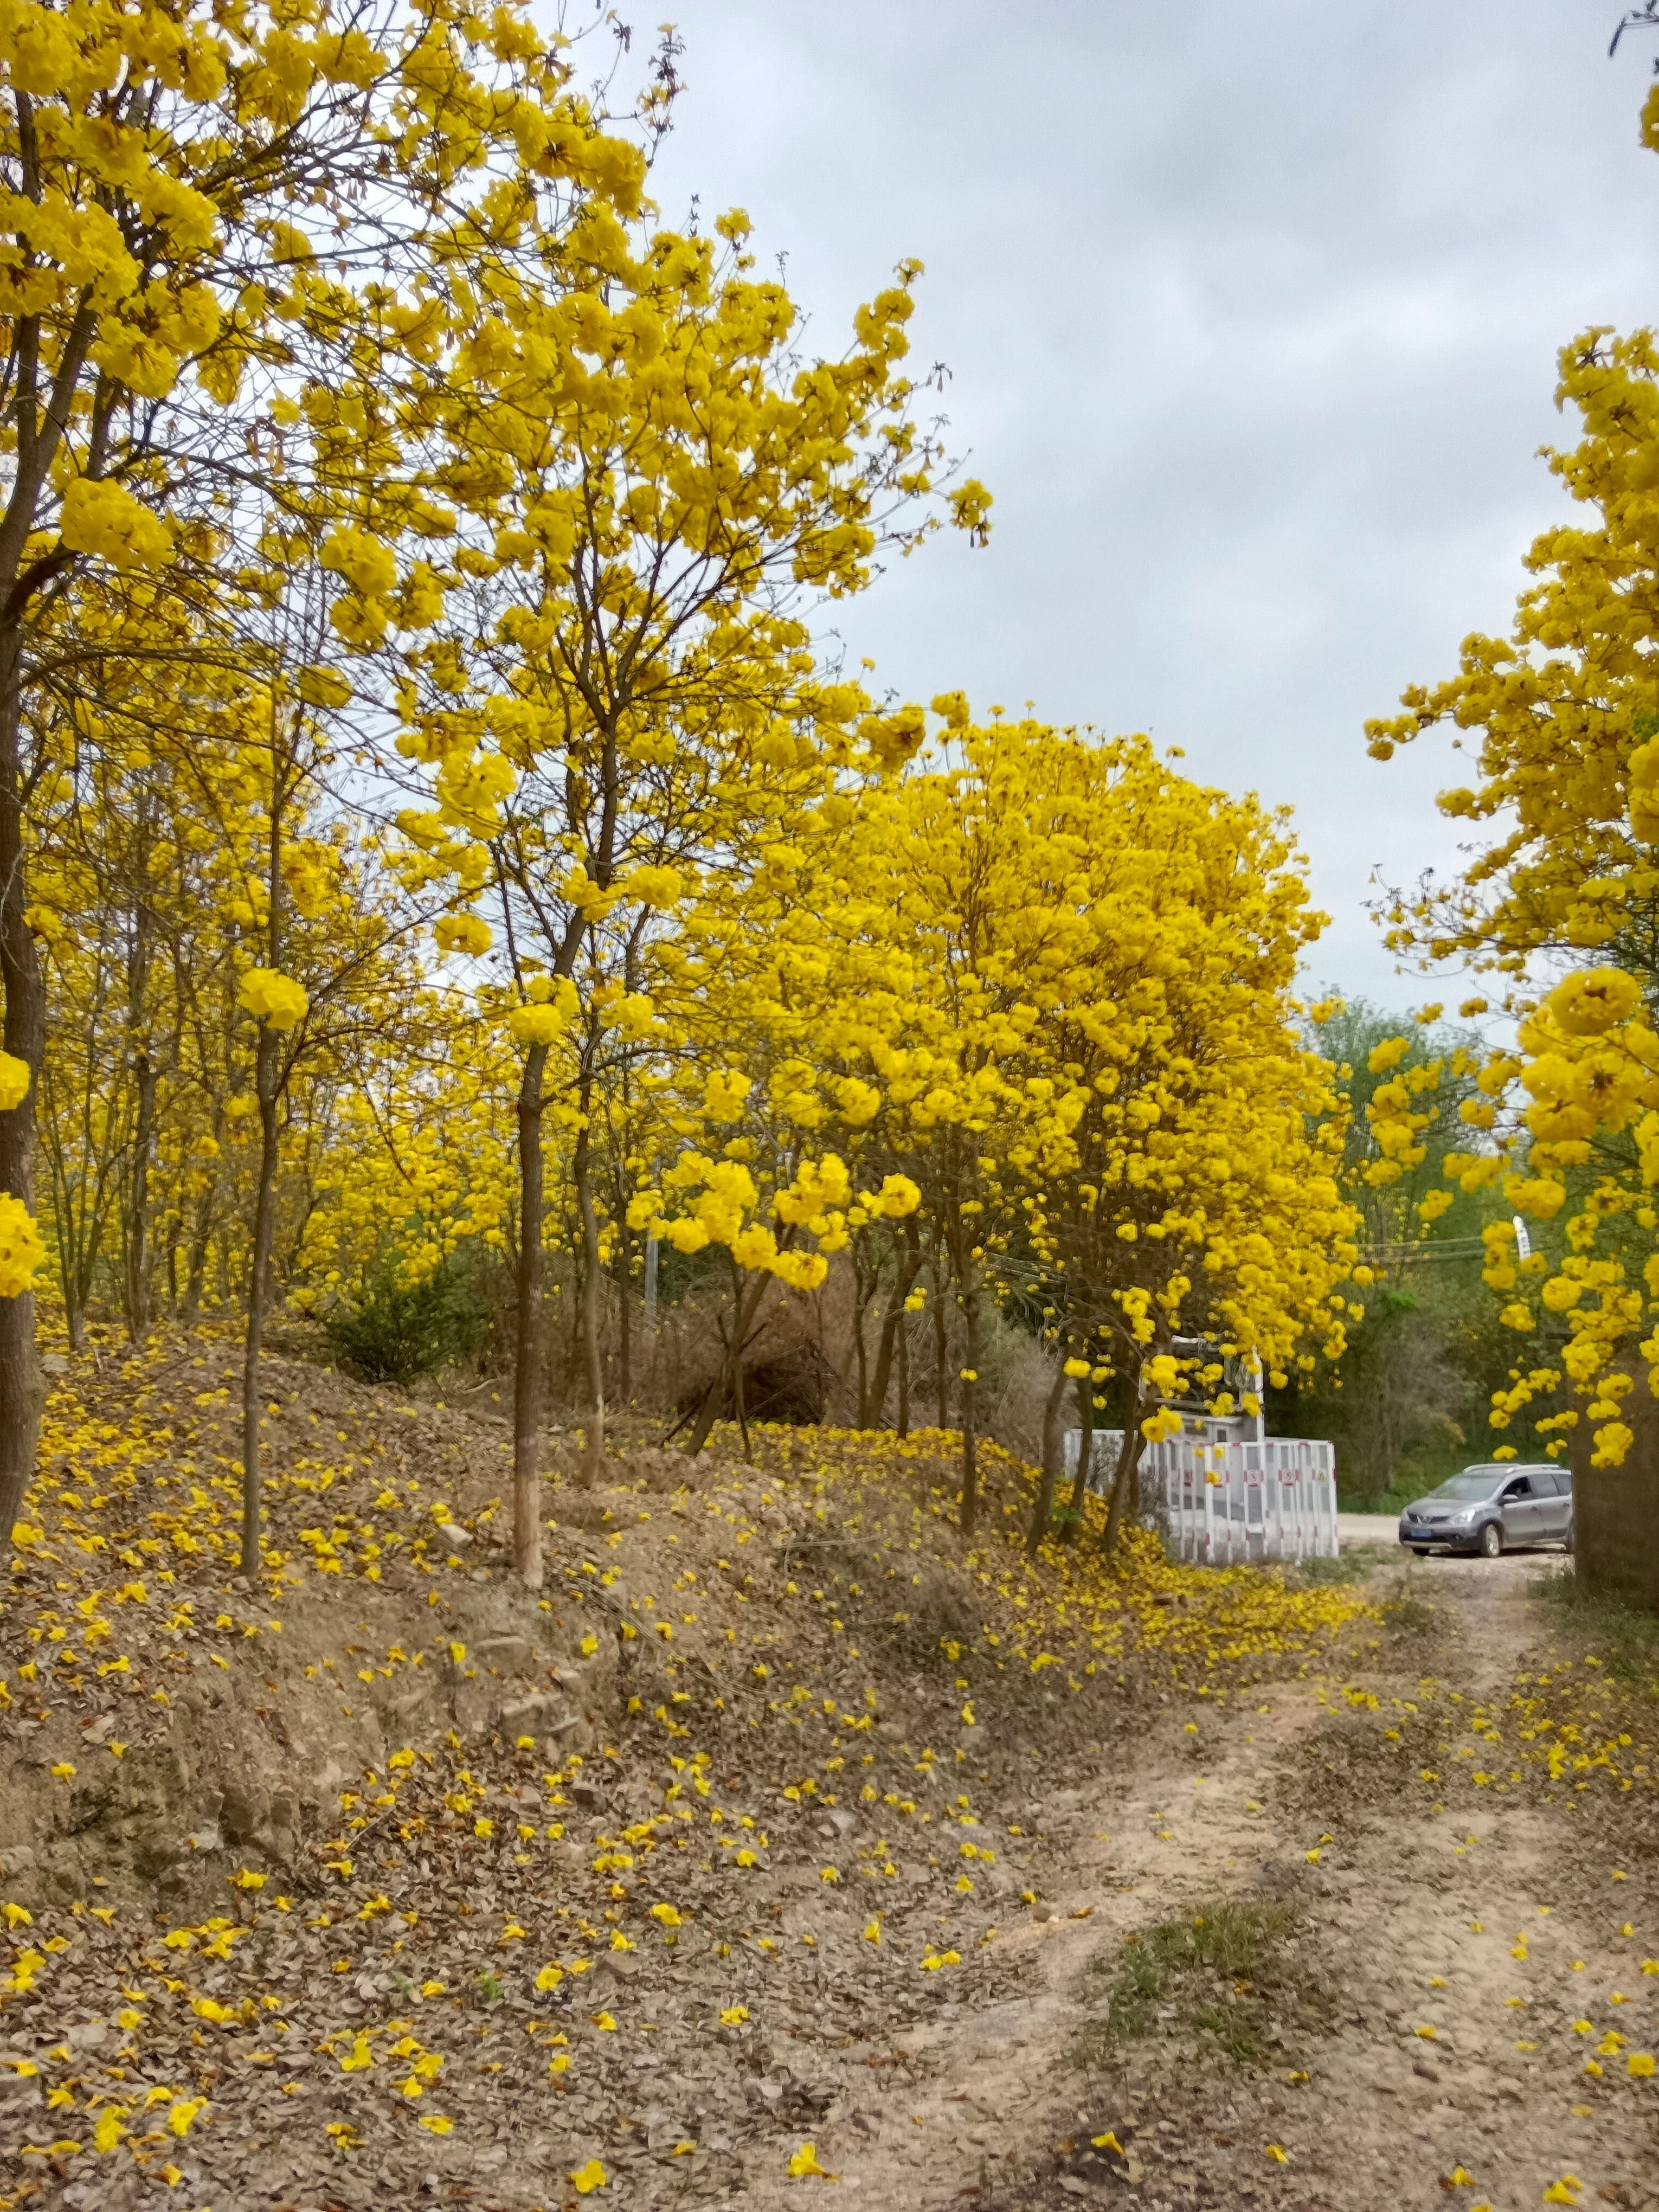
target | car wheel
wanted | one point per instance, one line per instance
(1491, 1540)
(1567, 1541)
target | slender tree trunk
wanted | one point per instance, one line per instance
(1073, 1522)
(202, 1239)
(940, 1348)
(570, 1311)
(143, 1144)
(969, 1295)
(624, 1316)
(592, 1359)
(1049, 1481)
(264, 1228)
(892, 1326)
(135, 1280)
(861, 1302)
(1124, 1485)
(37, 429)
(737, 1373)
(22, 1384)
(268, 1082)
(708, 1411)
(529, 1380)
(726, 1389)
(903, 1379)
(651, 1343)
(207, 1204)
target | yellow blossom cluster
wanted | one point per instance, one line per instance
(1559, 902)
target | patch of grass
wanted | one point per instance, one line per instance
(1209, 1976)
(1235, 2033)
(1137, 1987)
(1232, 1939)
(1623, 1637)
(1348, 1568)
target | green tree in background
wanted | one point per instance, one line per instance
(1409, 1401)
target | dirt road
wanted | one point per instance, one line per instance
(1414, 1990)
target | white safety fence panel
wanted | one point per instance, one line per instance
(1223, 1503)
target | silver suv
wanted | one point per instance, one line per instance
(1492, 1509)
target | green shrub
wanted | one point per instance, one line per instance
(393, 1330)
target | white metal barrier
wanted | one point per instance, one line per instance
(1220, 1504)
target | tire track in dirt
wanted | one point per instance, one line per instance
(984, 2091)
(1418, 1921)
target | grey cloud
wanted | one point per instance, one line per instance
(1252, 313)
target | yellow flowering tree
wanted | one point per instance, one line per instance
(1558, 905)
(1043, 983)
(171, 336)
(652, 488)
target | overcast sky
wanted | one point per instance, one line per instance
(1252, 309)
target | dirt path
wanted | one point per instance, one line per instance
(1417, 1920)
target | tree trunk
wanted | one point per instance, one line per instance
(592, 1359)
(570, 1312)
(22, 1384)
(1072, 1519)
(529, 1380)
(265, 1227)
(1043, 1507)
(968, 1296)
(737, 1371)
(726, 1388)
(202, 1235)
(940, 1349)
(135, 1278)
(861, 1297)
(37, 427)
(1123, 1485)
(903, 1379)
(624, 1315)
(143, 1143)
(892, 1327)
(708, 1411)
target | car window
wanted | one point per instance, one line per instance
(1473, 1482)
(1521, 1487)
(1553, 1485)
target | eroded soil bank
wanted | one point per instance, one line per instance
(782, 1835)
